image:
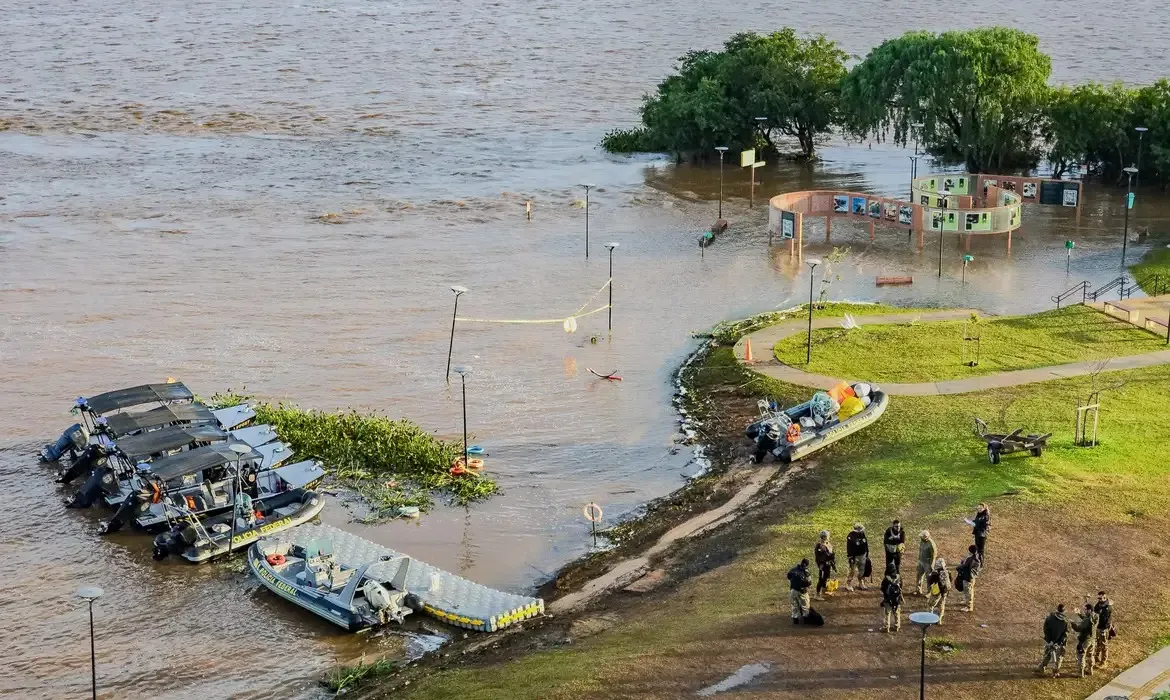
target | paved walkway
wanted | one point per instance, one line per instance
(1139, 682)
(765, 361)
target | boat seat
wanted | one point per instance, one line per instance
(341, 577)
(218, 495)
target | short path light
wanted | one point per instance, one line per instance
(923, 620)
(967, 259)
(90, 594)
(1068, 249)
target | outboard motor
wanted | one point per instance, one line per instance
(137, 503)
(83, 464)
(386, 605)
(179, 537)
(93, 488)
(73, 440)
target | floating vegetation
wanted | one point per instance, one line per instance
(345, 678)
(393, 465)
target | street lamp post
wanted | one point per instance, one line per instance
(463, 371)
(90, 594)
(916, 127)
(240, 449)
(943, 194)
(1141, 132)
(1130, 172)
(1068, 249)
(722, 152)
(610, 246)
(451, 345)
(587, 188)
(966, 261)
(812, 265)
(923, 620)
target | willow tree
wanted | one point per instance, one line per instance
(979, 94)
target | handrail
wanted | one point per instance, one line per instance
(1081, 288)
(1154, 285)
(1116, 283)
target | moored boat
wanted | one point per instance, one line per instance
(426, 589)
(794, 433)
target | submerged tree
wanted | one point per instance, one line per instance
(979, 94)
(715, 97)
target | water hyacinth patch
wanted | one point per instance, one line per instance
(390, 464)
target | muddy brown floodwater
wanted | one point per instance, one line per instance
(165, 167)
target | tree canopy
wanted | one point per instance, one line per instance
(979, 95)
(716, 96)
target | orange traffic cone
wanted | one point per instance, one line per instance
(747, 349)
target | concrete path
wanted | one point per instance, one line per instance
(765, 361)
(1139, 682)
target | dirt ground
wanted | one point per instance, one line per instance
(1034, 561)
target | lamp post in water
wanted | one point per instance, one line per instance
(610, 246)
(966, 260)
(916, 127)
(1068, 248)
(587, 188)
(722, 152)
(943, 194)
(90, 594)
(451, 345)
(1130, 172)
(1141, 132)
(812, 265)
(923, 620)
(463, 371)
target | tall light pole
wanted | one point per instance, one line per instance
(1130, 172)
(722, 152)
(610, 246)
(463, 371)
(944, 194)
(240, 449)
(90, 594)
(587, 188)
(1141, 132)
(451, 345)
(916, 127)
(923, 620)
(812, 265)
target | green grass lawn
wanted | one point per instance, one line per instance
(1153, 272)
(932, 351)
(920, 460)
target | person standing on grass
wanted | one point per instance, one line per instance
(1086, 627)
(927, 553)
(826, 563)
(1055, 637)
(798, 582)
(892, 599)
(857, 549)
(965, 578)
(938, 584)
(895, 543)
(980, 528)
(1104, 610)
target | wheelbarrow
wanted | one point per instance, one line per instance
(1000, 444)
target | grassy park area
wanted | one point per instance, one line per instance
(1065, 523)
(1153, 271)
(932, 351)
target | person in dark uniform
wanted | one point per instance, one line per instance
(980, 529)
(857, 549)
(895, 544)
(799, 581)
(826, 563)
(1104, 609)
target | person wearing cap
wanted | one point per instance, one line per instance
(826, 563)
(1086, 628)
(927, 553)
(892, 599)
(1104, 610)
(857, 549)
(938, 584)
(1055, 637)
(895, 543)
(798, 582)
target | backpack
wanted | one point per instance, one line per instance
(814, 618)
(893, 594)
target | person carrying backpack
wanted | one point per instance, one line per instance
(927, 553)
(938, 584)
(981, 528)
(965, 578)
(799, 581)
(892, 599)
(1086, 627)
(857, 549)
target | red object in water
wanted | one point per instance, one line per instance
(612, 376)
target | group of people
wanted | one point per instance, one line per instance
(1094, 628)
(932, 579)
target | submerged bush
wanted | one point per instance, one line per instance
(389, 463)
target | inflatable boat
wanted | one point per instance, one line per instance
(794, 433)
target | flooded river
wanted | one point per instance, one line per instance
(170, 169)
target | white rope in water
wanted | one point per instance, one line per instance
(576, 314)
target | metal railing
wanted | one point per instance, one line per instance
(1081, 290)
(1154, 285)
(1117, 283)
